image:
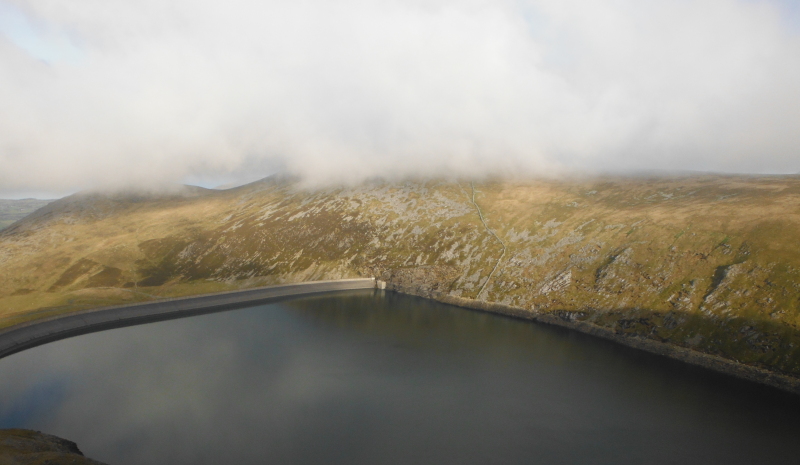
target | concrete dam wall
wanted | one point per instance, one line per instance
(18, 338)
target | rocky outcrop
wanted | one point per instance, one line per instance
(26, 447)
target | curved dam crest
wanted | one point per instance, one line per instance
(21, 337)
(38, 332)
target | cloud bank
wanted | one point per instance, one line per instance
(161, 91)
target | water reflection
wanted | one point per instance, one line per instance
(365, 378)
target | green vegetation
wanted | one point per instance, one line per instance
(705, 262)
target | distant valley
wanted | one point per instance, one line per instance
(14, 210)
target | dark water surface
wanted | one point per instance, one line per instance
(365, 378)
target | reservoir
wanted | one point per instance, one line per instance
(373, 377)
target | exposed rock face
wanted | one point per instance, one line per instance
(26, 447)
(710, 263)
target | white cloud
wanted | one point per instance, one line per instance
(166, 90)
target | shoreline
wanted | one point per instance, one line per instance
(711, 362)
(38, 332)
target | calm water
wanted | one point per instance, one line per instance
(365, 378)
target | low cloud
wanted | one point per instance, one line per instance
(149, 92)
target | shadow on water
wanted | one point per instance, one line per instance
(368, 377)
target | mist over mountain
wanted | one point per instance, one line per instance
(119, 93)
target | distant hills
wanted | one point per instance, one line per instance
(705, 262)
(14, 210)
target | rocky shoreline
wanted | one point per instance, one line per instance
(712, 362)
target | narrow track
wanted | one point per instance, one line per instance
(502, 255)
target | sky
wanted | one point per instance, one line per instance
(121, 93)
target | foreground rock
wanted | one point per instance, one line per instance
(26, 447)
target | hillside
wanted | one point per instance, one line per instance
(710, 263)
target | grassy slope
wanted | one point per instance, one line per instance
(707, 262)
